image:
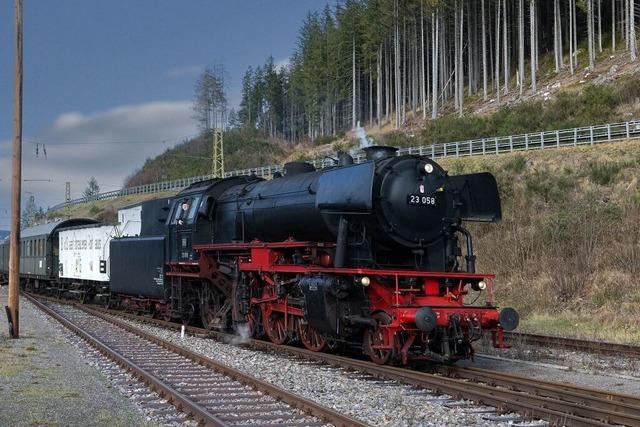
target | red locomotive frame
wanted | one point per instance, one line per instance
(393, 307)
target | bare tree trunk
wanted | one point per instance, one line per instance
(398, 81)
(484, 54)
(470, 65)
(505, 47)
(402, 46)
(353, 86)
(456, 54)
(521, 45)
(621, 20)
(379, 86)
(536, 51)
(557, 36)
(387, 61)
(532, 16)
(370, 95)
(434, 64)
(497, 67)
(416, 73)
(560, 47)
(613, 25)
(427, 71)
(632, 32)
(445, 69)
(599, 26)
(575, 33)
(590, 34)
(461, 64)
(626, 21)
(571, 47)
(490, 50)
(423, 85)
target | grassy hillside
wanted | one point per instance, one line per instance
(567, 252)
(242, 149)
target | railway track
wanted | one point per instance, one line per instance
(587, 346)
(210, 392)
(557, 403)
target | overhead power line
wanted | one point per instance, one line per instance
(62, 142)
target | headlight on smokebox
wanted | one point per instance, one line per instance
(479, 286)
(365, 281)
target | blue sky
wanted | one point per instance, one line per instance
(121, 71)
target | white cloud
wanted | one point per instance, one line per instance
(109, 145)
(186, 71)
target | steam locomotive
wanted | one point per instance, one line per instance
(372, 256)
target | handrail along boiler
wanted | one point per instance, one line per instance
(363, 255)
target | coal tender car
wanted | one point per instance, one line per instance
(372, 255)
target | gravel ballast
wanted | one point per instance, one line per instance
(45, 381)
(377, 402)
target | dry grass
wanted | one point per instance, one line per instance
(568, 249)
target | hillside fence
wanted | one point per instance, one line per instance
(588, 135)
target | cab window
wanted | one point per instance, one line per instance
(193, 209)
(185, 210)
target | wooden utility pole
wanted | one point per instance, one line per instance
(14, 250)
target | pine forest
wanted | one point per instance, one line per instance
(387, 62)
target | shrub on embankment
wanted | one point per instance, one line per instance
(567, 251)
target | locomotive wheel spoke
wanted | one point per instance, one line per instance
(311, 339)
(375, 337)
(275, 328)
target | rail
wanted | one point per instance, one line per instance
(574, 344)
(557, 403)
(588, 135)
(147, 356)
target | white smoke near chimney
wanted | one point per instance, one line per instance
(365, 141)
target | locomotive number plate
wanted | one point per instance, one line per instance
(420, 200)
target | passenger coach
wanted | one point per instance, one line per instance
(39, 251)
